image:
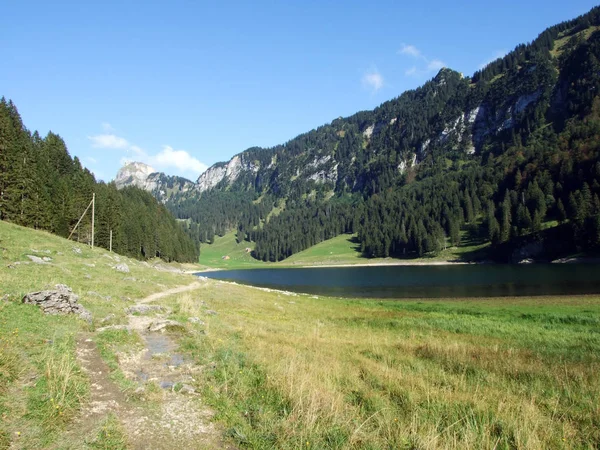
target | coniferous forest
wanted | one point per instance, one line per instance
(510, 155)
(42, 187)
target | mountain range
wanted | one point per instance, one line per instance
(502, 155)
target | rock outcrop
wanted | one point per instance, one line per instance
(143, 176)
(133, 174)
(60, 300)
(122, 268)
(229, 172)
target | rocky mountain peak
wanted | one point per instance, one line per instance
(133, 174)
(145, 177)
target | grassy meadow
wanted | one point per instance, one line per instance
(286, 371)
(41, 385)
(301, 372)
(340, 250)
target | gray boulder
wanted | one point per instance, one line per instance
(36, 259)
(61, 300)
(122, 268)
(163, 324)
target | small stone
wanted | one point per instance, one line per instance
(129, 279)
(210, 312)
(77, 250)
(196, 320)
(88, 276)
(108, 318)
(187, 389)
(161, 325)
(36, 259)
(46, 258)
(143, 309)
(122, 268)
(113, 327)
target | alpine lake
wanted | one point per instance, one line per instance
(435, 281)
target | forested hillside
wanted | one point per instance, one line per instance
(503, 155)
(42, 187)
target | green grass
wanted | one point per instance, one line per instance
(211, 255)
(562, 41)
(340, 250)
(299, 372)
(41, 385)
(110, 436)
(109, 343)
(283, 371)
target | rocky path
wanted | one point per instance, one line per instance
(177, 290)
(164, 412)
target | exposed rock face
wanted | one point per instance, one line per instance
(62, 300)
(211, 177)
(225, 171)
(133, 174)
(157, 183)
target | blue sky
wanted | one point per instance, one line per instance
(184, 84)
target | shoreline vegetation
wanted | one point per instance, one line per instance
(226, 253)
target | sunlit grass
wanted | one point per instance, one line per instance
(294, 371)
(42, 387)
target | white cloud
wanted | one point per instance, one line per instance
(178, 159)
(108, 141)
(168, 160)
(137, 150)
(425, 67)
(373, 80)
(410, 50)
(497, 54)
(435, 64)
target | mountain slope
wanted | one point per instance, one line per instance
(501, 154)
(143, 176)
(42, 187)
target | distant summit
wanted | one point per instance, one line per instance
(145, 177)
(133, 174)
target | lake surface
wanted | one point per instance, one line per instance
(471, 280)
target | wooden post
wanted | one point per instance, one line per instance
(93, 213)
(79, 221)
(110, 242)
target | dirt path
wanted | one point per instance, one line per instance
(156, 416)
(177, 290)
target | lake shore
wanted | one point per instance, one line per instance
(390, 263)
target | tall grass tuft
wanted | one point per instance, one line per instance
(59, 393)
